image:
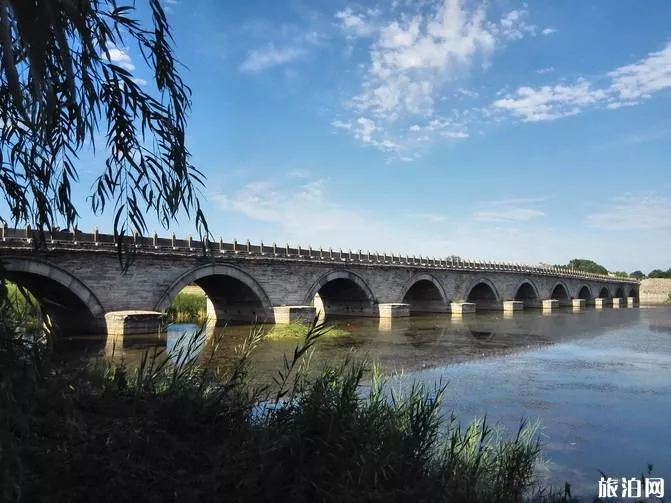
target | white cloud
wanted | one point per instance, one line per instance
(549, 31)
(268, 57)
(120, 57)
(634, 211)
(364, 129)
(299, 173)
(508, 210)
(359, 25)
(513, 25)
(466, 93)
(412, 57)
(305, 214)
(330, 223)
(649, 75)
(551, 102)
(547, 69)
(417, 54)
(341, 125)
(629, 85)
(433, 218)
(614, 105)
(455, 134)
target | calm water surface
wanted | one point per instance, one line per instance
(599, 380)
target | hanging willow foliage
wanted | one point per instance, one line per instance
(59, 89)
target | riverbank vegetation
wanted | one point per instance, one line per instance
(189, 305)
(299, 330)
(179, 430)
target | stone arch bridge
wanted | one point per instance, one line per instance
(79, 282)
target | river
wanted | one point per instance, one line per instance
(599, 380)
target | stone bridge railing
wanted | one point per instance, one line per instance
(81, 240)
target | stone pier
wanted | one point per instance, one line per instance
(135, 322)
(288, 314)
(631, 301)
(513, 305)
(550, 304)
(617, 302)
(601, 303)
(394, 310)
(578, 303)
(462, 307)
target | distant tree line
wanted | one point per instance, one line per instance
(590, 266)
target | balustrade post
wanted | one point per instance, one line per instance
(310, 251)
(249, 247)
(235, 246)
(330, 253)
(274, 249)
(321, 253)
(154, 239)
(135, 234)
(95, 236)
(261, 248)
(173, 240)
(189, 242)
(2, 230)
(221, 243)
(359, 254)
(287, 250)
(349, 254)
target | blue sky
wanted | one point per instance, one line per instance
(531, 132)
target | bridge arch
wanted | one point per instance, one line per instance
(604, 293)
(425, 294)
(619, 293)
(342, 293)
(633, 292)
(560, 292)
(484, 295)
(586, 294)
(233, 295)
(73, 307)
(527, 292)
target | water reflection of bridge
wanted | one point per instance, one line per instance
(407, 343)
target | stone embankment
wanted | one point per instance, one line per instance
(655, 290)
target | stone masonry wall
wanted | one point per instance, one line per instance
(655, 290)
